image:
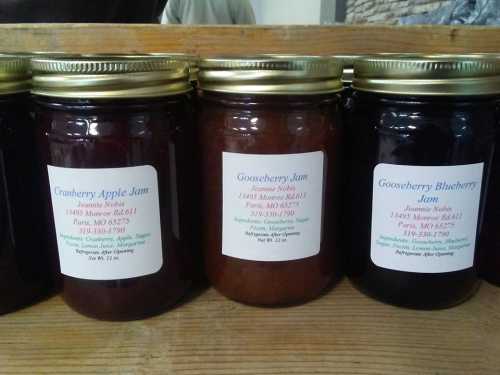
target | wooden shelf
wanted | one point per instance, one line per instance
(343, 332)
(209, 40)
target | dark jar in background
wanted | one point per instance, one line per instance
(113, 135)
(270, 137)
(422, 138)
(489, 242)
(24, 268)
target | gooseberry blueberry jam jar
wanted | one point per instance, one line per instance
(24, 267)
(270, 135)
(421, 140)
(113, 138)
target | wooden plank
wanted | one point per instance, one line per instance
(210, 40)
(343, 332)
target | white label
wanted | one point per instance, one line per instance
(272, 205)
(424, 219)
(107, 221)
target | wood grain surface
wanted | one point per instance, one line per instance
(211, 40)
(343, 332)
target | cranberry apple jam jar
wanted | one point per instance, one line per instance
(112, 140)
(421, 140)
(270, 134)
(24, 267)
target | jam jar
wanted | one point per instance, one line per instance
(270, 138)
(421, 143)
(24, 268)
(114, 139)
(489, 241)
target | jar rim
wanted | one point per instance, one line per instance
(271, 74)
(348, 62)
(14, 74)
(438, 75)
(109, 76)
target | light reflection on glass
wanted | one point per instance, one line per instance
(93, 128)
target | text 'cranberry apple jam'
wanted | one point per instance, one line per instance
(421, 140)
(270, 136)
(24, 266)
(114, 140)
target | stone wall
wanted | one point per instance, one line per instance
(387, 11)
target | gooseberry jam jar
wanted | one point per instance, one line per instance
(270, 135)
(24, 267)
(114, 138)
(421, 142)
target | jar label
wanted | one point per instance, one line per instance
(107, 221)
(424, 219)
(272, 205)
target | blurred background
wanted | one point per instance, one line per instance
(261, 12)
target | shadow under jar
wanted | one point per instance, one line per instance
(115, 149)
(421, 143)
(24, 267)
(270, 137)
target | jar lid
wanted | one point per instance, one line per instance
(112, 76)
(442, 75)
(191, 59)
(271, 74)
(14, 74)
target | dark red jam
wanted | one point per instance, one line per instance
(419, 168)
(24, 269)
(270, 168)
(121, 180)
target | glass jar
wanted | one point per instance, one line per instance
(114, 136)
(489, 244)
(422, 137)
(270, 137)
(24, 269)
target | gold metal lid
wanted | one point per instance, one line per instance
(271, 75)
(437, 75)
(112, 76)
(14, 74)
(191, 59)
